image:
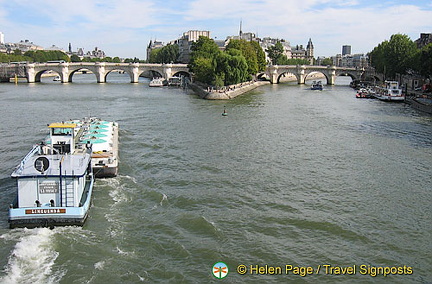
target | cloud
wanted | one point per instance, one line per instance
(127, 26)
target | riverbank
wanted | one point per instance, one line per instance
(225, 93)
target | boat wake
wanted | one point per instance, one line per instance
(33, 257)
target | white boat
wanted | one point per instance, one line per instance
(57, 78)
(103, 135)
(390, 91)
(157, 82)
(54, 181)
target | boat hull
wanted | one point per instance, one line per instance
(105, 171)
(32, 217)
(391, 98)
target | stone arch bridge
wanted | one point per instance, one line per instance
(101, 70)
(301, 72)
(33, 71)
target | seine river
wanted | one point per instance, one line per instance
(293, 186)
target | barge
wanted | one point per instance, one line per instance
(54, 181)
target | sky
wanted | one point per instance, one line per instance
(124, 28)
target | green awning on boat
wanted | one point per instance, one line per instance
(94, 130)
(94, 141)
(90, 135)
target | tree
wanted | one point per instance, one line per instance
(327, 61)
(44, 56)
(212, 66)
(398, 55)
(261, 57)
(75, 58)
(248, 52)
(203, 60)
(276, 54)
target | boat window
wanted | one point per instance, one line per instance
(61, 131)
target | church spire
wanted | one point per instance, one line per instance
(240, 33)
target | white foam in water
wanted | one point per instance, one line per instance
(32, 259)
(99, 265)
(164, 198)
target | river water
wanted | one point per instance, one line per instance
(291, 177)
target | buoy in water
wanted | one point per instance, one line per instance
(224, 112)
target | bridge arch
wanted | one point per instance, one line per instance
(286, 74)
(182, 73)
(73, 71)
(119, 68)
(309, 76)
(38, 75)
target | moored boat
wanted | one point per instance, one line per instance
(364, 94)
(390, 91)
(54, 181)
(158, 82)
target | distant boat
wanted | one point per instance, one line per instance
(158, 82)
(57, 78)
(316, 85)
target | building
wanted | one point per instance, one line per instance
(185, 43)
(153, 45)
(2, 40)
(96, 53)
(299, 52)
(267, 42)
(351, 60)
(346, 49)
(424, 40)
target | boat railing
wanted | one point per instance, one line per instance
(34, 151)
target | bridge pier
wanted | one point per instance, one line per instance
(100, 72)
(273, 74)
(134, 74)
(31, 74)
(301, 74)
(331, 75)
(64, 73)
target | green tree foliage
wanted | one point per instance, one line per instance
(248, 51)
(166, 54)
(204, 69)
(44, 56)
(398, 55)
(6, 58)
(75, 58)
(212, 66)
(261, 57)
(327, 61)
(203, 60)
(276, 54)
